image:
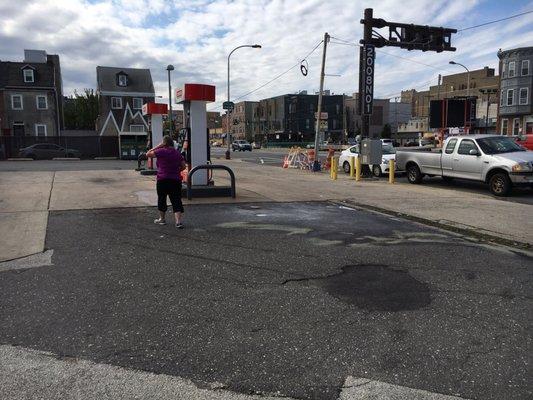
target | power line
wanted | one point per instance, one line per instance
(276, 77)
(495, 21)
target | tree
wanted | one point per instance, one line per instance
(81, 110)
(386, 132)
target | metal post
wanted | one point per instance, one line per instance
(170, 130)
(487, 115)
(254, 46)
(316, 163)
(228, 156)
(438, 88)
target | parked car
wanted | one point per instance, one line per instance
(525, 141)
(43, 151)
(387, 141)
(496, 160)
(241, 145)
(389, 153)
(215, 143)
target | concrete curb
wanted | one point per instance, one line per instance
(20, 159)
(66, 159)
(105, 158)
(473, 233)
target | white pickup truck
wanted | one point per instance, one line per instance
(496, 160)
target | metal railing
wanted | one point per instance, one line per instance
(210, 167)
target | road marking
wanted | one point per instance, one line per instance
(34, 261)
(366, 389)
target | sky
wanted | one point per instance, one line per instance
(196, 37)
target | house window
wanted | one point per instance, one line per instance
(525, 67)
(116, 103)
(523, 96)
(40, 130)
(501, 98)
(28, 75)
(505, 122)
(122, 80)
(511, 69)
(136, 128)
(137, 103)
(503, 70)
(516, 126)
(42, 102)
(510, 95)
(16, 102)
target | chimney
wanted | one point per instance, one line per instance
(34, 56)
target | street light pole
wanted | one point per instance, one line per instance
(169, 68)
(467, 77)
(228, 112)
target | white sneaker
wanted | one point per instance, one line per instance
(160, 221)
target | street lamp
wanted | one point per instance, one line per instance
(169, 68)
(253, 46)
(467, 79)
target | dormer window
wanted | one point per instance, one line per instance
(122, 79)
(28, 75)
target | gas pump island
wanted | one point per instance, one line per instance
(193, 139)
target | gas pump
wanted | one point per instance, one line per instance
(194, 138)
(154, 112)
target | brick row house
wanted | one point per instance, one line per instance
(515, 106)
(122, 93)
(31, 96)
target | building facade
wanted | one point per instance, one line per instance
(122, 93)
(245, 121)
(31, 95)
(515, 113)
(292, 118)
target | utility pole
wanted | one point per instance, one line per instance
(344, 118)
(438, 90)
(316, 164)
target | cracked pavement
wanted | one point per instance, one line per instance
(287, 299)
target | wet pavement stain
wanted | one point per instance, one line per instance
(377, 288)
(101, 180)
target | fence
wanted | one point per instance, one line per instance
(80, 146)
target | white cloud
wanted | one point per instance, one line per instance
(197, 35)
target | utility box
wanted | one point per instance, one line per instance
(371, 151)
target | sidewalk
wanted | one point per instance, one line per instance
(26, 198)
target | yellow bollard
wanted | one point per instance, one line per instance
(335, 167)
(358, 169)
(391, 171)
(352, 167)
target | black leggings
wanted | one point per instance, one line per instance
(172, 189)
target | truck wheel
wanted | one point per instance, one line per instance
(346, 167)
(376, 170)
(500, 184)
(413, 174)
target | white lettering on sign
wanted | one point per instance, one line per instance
(369, 54)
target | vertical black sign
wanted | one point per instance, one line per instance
(369, 53)
(360, 92)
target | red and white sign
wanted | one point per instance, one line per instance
(154, 108)
(195, 92)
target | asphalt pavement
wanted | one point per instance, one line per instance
(287, 299)
(70, 165)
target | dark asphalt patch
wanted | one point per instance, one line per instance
(378, 288)
(209, 303)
